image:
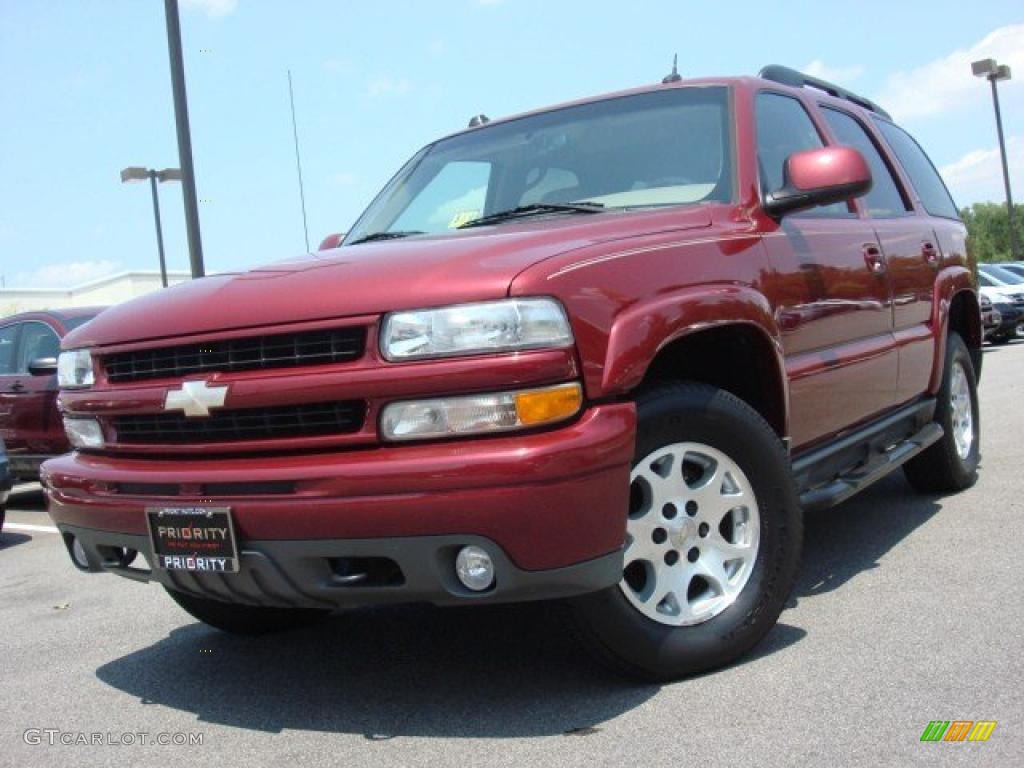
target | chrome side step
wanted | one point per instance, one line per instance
(877, 466)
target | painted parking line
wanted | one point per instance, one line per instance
(30, 528)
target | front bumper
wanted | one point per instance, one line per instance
(316, 574)
(549, 507)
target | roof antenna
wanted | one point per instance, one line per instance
(673, 76)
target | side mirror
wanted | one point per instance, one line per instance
(331, 241)
(43, 366)
(819, 177)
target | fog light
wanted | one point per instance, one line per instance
(78, 554)
(474, 568)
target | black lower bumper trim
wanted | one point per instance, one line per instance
(305, 573)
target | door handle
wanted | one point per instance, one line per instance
(17, 386)
(875, 259)
(930, 253)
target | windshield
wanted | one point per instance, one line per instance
(1001, 275)
(669, 147)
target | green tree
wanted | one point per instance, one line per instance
(988, 229)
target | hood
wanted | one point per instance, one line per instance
(367, 279)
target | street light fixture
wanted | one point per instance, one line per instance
(993, 72)
(135, 173)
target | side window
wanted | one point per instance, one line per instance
(8, 335)
(926, 180)
(885, 197)
(784, 127)
(37, 340)
(454, 196)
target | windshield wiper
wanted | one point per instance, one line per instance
(534, 209)
(387, 236)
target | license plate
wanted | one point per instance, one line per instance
(197, 539)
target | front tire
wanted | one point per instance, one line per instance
(951, 464)
(239, 619)
(714, 533)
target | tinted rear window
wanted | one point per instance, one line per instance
(926, 180)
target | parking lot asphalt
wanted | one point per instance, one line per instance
(909, 609)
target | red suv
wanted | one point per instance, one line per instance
(30, 423)
(607, 351)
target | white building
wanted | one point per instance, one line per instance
(95, 293)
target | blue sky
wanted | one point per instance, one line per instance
(85, 91)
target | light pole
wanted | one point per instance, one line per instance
(187, 173)
(993, 72)
(141, 174)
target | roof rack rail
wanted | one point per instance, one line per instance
(791, 77)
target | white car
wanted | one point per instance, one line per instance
(1006, 291)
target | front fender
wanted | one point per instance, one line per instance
(643, 330)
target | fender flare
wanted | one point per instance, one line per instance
(643, 330)
(950, 283)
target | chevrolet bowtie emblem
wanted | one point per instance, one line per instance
(195, 398)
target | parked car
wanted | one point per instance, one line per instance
(6, 483)
(30, 424)
(1006, 292)
(607, 351)
(991, 318)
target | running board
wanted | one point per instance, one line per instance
(874, 469)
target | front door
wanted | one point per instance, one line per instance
(830, 289)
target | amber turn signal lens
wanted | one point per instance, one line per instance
(541, 406)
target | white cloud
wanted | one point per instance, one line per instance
(212, 8)
(339, 66)
(837, 75)
(385, 85)
(947, 83)
(978, 175)
(437, 48)
(65, 275)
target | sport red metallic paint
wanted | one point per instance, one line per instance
(826, 323)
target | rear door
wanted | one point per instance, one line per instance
(831, 292)
(10, 384)
(943, 230)
(911, 253)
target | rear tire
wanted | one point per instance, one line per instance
(239, 619)
(950, 465)
(701, 623)
(999, 339)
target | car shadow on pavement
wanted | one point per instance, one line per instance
(9, 539)
(843, 542)
(496, 671)
(28, 497)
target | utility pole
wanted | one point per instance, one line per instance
(188, 178)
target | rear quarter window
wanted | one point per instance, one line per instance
(926, 180)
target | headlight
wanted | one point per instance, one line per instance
(467, 329)
(479, 414)
(74, 369)
(83, 433)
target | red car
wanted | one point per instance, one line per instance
(30, 423)
(607, 351)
